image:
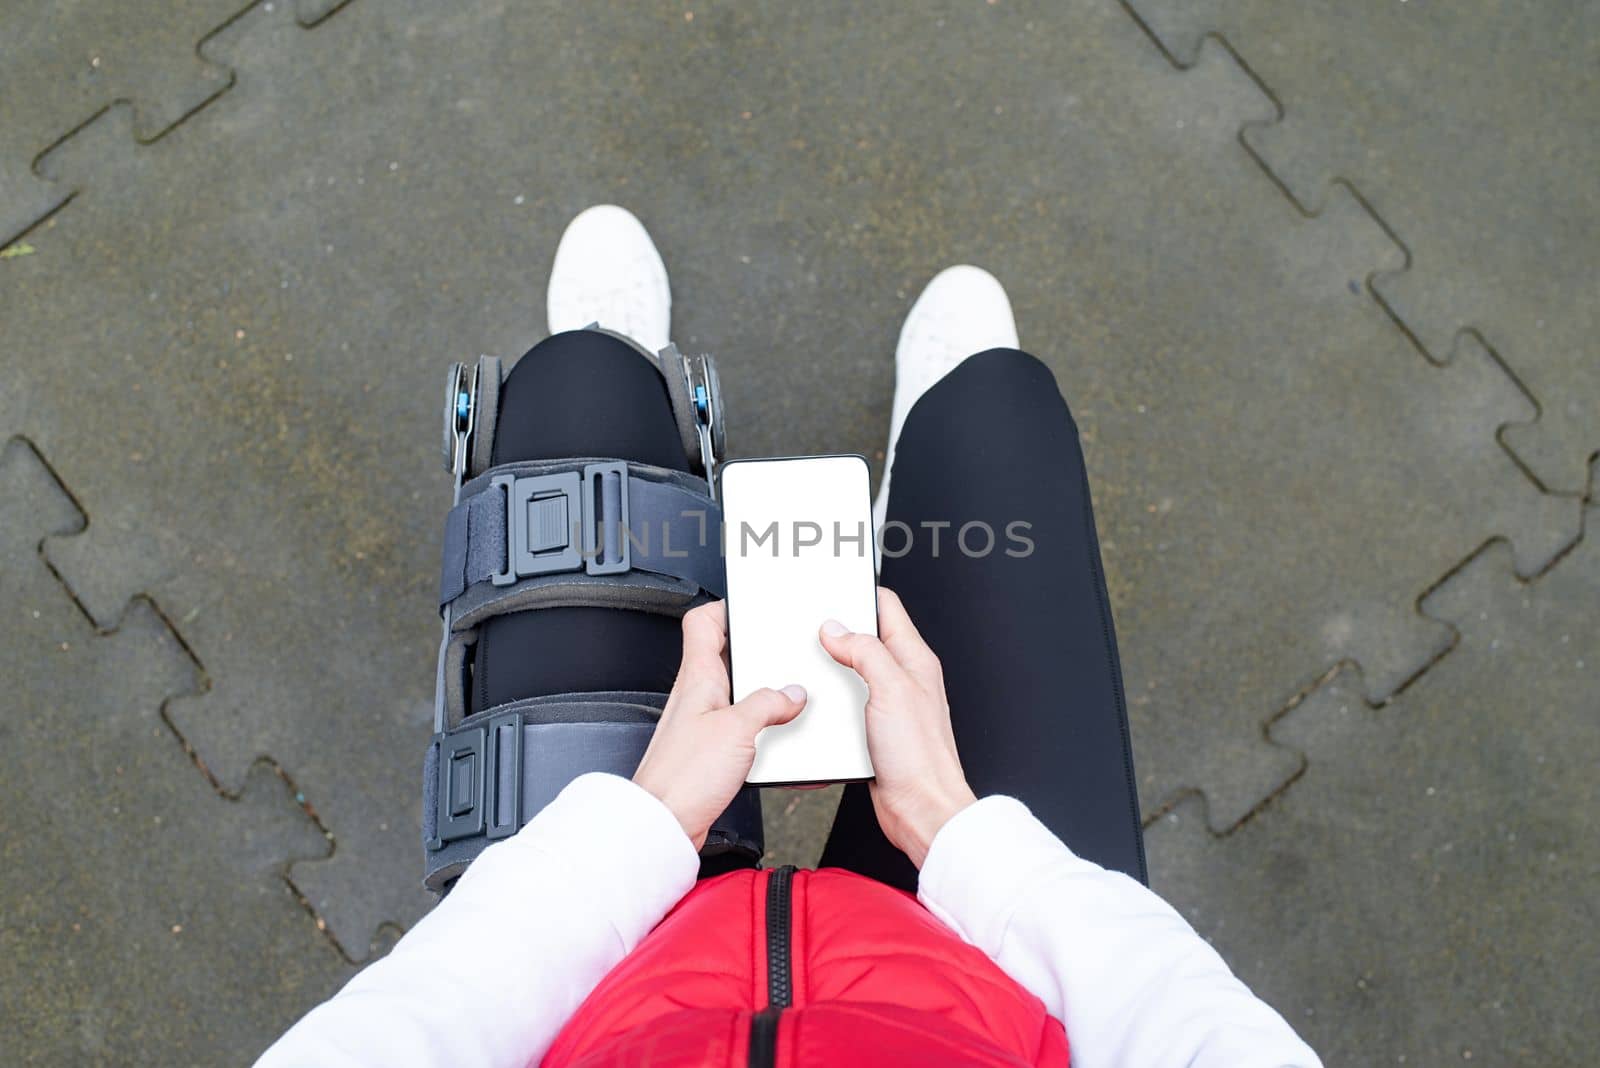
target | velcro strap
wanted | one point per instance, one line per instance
(487, 777)
(599, 518)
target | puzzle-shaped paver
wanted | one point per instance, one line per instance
(1471, 128)
(59, 67)
(256, 311)
(1428, 888)
(145, 916)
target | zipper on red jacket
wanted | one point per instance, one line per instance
(780, 980)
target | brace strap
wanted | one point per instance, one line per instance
(484, 779)
(600, 518)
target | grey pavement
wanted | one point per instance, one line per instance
(1320, 294)
(1470, 128)
(146, 916)
(1427, 891)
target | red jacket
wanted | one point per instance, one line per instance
(785, 967)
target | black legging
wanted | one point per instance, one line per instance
(1027, 644)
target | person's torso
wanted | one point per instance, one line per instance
(783, 967)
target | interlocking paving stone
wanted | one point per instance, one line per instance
(1471, 127)
(256, 309)
(57, 69)
(1429, 889)
(146, 919)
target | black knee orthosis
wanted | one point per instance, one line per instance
(582, 531)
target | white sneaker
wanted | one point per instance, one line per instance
(607, 271)
(963, 311)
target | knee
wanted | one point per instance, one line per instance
(587, 393)
(586, 353)
(1008, 380)
(1006, 363)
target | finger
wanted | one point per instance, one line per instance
(705, 628)
(702, 675)
(767, 707)
(866, 655)
(901, 637)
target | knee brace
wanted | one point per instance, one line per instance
(584, 531)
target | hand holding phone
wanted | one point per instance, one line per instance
(704, 747)
(919, 782)
(701, 750)
(889, 716)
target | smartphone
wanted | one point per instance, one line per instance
(798, 544)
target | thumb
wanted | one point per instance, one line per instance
(862, 653)
(767, 707)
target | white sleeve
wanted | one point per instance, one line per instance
(490, 976)
(1131, 981)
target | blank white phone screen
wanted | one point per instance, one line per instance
(798, 536)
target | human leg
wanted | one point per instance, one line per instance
(1018, 616)
(588, 394)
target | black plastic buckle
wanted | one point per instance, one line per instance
(566, 522)
(607, 547)
(460, 771)
(480, 780)
(503, 791)
(541, 513)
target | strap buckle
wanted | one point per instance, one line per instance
(480, 780)
(460, 794)
(566, 522)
